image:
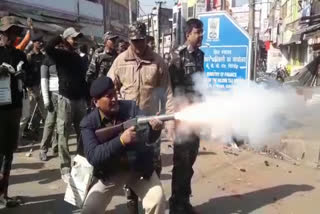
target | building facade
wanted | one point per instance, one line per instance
(84, 15)
(160, 27)
(294, 29)
(92, 17)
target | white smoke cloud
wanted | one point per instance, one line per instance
(255, 112)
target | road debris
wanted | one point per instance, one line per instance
(29, 154)
(229, 152)
(266, 163)
(243, 170)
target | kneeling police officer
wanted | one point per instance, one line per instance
(125, 159)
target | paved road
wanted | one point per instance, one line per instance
(223, 183)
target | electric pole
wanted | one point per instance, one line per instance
(251, 18)
(138, 8)
(223, 4)
(251, 30)
(130, 12)
(159, 5)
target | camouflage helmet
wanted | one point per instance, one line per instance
(137, 31)
(7, 22)
(109, 35)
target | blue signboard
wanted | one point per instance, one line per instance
(227, 50)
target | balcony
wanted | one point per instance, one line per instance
(72, 10)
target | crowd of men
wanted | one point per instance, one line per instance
(67, 86)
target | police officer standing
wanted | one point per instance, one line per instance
(187, 60)
(13, 67)
(141, 75)
(103, 58)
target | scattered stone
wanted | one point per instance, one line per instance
(266, 163)
(223, 189)
(29, 154)
(243, 170)
(289, 171)
(277, 165)
(230, 153)
(204, 149)
(237, 196)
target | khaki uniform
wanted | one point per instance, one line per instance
(145, 80)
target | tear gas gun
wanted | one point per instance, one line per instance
(108, 133)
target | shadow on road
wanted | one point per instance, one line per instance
(207, 153)
(43, 176)
(27, 148)
(51, 204)
(165, 176)
(248, 202)
(27, 166)
(167, 158)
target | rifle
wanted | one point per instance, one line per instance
(108, 133)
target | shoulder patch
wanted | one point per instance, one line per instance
(181, 48)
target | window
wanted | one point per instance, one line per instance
(240, 3)
(190, 12)
(284, 10)
(114, 11)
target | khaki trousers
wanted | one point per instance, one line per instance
(150, 191)
(68, 112)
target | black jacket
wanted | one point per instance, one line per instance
(71, 71)
(182, 66)
(13, 56)
(35, 61)
(107, 157)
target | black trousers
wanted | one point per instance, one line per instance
(9, 132)
(184, 156)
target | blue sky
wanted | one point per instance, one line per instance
(147, 5)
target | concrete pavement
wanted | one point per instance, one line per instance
(224, 182)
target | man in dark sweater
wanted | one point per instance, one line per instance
(124, 159)
(72, 92)
(13, 67)
(35, 58)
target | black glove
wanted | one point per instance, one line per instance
(50, 107)
(4, 71)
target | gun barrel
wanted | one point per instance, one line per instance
(164, 117)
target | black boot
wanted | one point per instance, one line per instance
(132, 200)
(6, 202)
